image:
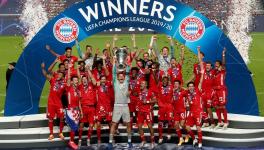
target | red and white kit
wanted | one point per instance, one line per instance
(145, 109)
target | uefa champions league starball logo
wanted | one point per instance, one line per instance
(192, 29)
(66, 30)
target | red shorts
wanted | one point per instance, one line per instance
(103, 113)
(132, 106)
(194, 118)
(165, 115)
(54, 111)
(88, 114)
(220, 97)
(207, 99)
(205, 116)
(179, 116)
(142, 116)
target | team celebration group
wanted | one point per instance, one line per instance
(98, 92)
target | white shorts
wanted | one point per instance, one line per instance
(121, 111)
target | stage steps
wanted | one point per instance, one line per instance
(32, 131)
(40, 120)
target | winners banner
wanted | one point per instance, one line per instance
(94, 16)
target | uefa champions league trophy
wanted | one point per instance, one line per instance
(121, 56)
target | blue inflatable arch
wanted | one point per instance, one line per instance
(92, 16)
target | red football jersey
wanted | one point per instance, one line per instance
(195, 101)
(56, 90)
(88, 94)
(197, 73)
(152, 83)
(71, 59)
(141, 75)
(145, 96)
(82, 73)
(175, 73)
(165, 97)
(179, 100)
(108, 63)
(97, 74)
(208, 80)
(134, 87)
(219, 80)
(109, 67)
(130, 58)
(73, 94)
(104, 96)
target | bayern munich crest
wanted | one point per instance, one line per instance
(192, 28)
(66, 30)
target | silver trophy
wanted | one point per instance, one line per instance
(121, 56)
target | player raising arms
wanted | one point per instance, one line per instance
(62, 67)
(88, 53)
(146, 101)
(194, 106)
(220, 91)
(104, 105)
(88, 104)
(155, 77)
(74, 103)
(179, 109)
(207, 94)
(142, 71)
(55, 109)
(134, 88)
(146, 60)
(67, 55)
(175, 71)
(197, 71)
(165, 113)
(121, 109)
(165, 57)
(100, 68)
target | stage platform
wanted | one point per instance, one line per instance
(31, 131)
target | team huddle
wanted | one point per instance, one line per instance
(93, 86)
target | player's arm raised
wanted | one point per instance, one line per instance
(191, 78)
(104, 66)
(182, 55)
(135, 48)
(115, 38)
(52, 51)
(108, 47)
(202, 68)
(133, 38)
(53, 64)
(138, 53)
(150, 49)
(127, 74)
(69, 75)
(80, 53)
(82, 56)
(95, 57)
(79, 74)
(44, 72)
(155, 47)
(91, 75)
(172, 50)
(114, 71)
